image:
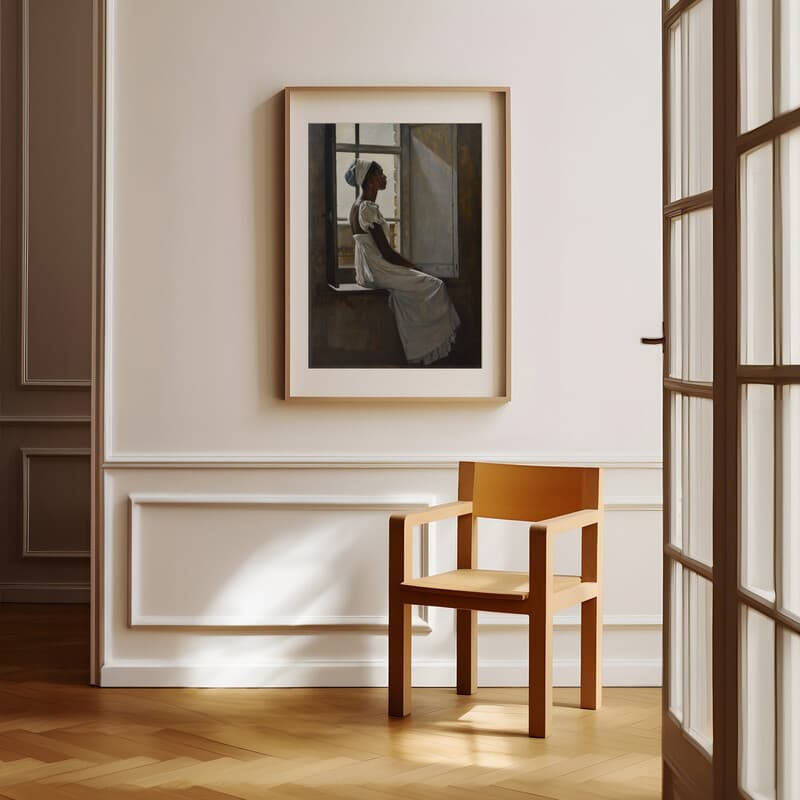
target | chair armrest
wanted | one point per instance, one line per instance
(401, 527)
(445, 511)
(567, 522)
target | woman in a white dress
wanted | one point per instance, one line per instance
(426, 319)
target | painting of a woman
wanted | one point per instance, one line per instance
(426, 319)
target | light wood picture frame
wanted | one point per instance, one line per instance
(360, 324)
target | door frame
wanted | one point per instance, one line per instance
(685, 762)
(718, 777)
(98, 408)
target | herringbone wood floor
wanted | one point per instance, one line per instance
(63, 740)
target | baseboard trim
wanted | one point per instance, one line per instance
(616, 672)
(44, 592)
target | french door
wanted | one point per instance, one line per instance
(731, 81)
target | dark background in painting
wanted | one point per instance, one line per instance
(358, 329)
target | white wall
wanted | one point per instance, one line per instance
(195, 328)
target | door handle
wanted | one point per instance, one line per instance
(654, 339)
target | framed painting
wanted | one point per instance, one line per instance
(397, 243)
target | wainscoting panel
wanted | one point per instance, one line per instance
(44, 469)
(275, 575)
(45, 299)
(55, 502)
(260, 561)
(55, 330)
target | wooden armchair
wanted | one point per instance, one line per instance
(555, 500)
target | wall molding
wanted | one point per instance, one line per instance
(489, 620)
(644, 503)
(15, 419)
(244, 461)
(25, 378)
(367, 672)
(27, 454)
(420, 623)
(44, 592)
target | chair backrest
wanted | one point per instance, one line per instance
(528, 493)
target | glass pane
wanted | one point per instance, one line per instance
(758, 485)
(690, 102)
(345, 194)
(699, 105)
(755, 63)
(691, 476)
(790, 58)
(676, 260)
(389, 198)
(677, 432)
(700, 479)
(394, 236)
(790, 240)
(791, 501)
(700, 717)
(676, 112)
(757, 736)
(380, 133)
(676, 641)
(789, 717)
(756, 257)
(345, 246)
(700, 334)
(691, 296)
(345, 133)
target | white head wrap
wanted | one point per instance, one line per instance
(357, 171)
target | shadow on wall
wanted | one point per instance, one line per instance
(433, 205)
(269, 213)
(240, 584)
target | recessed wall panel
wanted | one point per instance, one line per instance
(57, 181)
(200, 561)
(56, 501)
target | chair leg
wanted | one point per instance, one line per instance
(399, 659)
(540, 673)
(466, 652)
(591, 653)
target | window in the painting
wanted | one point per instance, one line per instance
(375, 142)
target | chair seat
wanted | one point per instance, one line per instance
(500, 585)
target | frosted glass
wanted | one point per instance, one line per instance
(676, 666)
(790, 241)
(700, 316)
(700, 464)
(389, 198)
(757, 335)
(789, 717)
(757, 735)
(677, 433)
(676, 113)
(690, 86)
(699, 97)
(345, 133)
(790, 563)
(755, 63)
(692, 296)
(379, 133)
(691, 476)
(699, 641)
(789, 94)
(676, 338)
(345, 194)
(758, 482)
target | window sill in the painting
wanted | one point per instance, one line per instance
(353, 288)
